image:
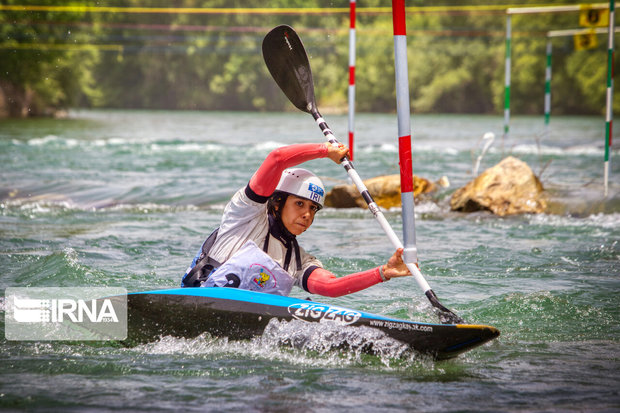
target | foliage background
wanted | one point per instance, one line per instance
(52, 60)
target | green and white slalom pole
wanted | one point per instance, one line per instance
(507, 82)
(410, 254)
(610, 92)
(548, 88)
(351, 77)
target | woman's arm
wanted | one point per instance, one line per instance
(323, 282)
(266, 178)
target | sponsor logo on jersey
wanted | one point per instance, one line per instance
(262, 278)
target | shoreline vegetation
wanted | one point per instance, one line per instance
(206, 56)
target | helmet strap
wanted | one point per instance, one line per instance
(279, 231)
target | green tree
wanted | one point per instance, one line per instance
(51, 60)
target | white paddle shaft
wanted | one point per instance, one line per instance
(373, 207)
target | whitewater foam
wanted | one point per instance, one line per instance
(610, 221)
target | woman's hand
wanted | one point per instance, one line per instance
(395, 266)
(337, 152)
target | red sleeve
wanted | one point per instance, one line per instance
(323, 282)
(266, 178)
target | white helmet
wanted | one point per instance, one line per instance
(303, 183)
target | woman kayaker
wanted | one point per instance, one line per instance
(255, 246)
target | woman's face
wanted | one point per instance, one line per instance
(298, 214)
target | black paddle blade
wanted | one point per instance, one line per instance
(288, 63)
(445, 315)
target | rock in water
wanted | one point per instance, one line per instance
(508, 188)
(385, 190)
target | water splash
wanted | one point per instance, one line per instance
(297, 343)
(325, 337)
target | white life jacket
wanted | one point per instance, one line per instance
(252, 269)
(245, 219)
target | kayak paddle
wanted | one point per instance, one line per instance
(288, 63)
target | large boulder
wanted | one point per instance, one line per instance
(385, 190)
(508, 188)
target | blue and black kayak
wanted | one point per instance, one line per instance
(241, 314)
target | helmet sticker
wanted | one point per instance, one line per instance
(316, 189)
(316, 193)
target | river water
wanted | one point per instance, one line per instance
(125, 198)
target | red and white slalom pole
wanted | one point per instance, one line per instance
(404, 130)
(410, 255)
(351, 77)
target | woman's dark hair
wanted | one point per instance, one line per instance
(276, 202)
